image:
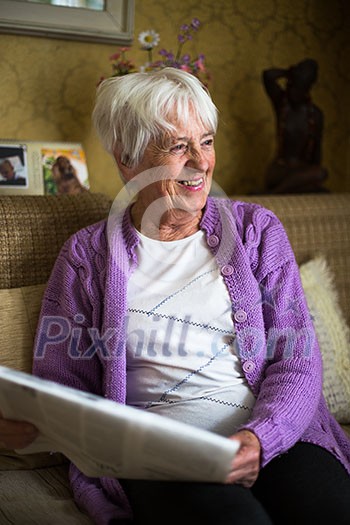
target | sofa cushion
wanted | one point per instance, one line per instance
(19, 311)
(34, 228)
(38, 497)
(10, 460)
(333, 335)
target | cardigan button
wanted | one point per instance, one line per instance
(240, 316)
(213, 240)
(248, 366)
(227, 270)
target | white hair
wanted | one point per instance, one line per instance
(134, 109)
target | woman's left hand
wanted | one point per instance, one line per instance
(246, 465)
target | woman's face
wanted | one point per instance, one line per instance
(182, 167)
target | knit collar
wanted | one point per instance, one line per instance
(209, 224)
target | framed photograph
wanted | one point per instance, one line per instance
(42, 168)
(106, 21)
(64, 169)
(13, 166)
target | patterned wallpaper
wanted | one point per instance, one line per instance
(47, 86)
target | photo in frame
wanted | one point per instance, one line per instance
(13, 166)
(42, 168)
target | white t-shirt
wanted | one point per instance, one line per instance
(181, 361)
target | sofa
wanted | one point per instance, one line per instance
(34, 489)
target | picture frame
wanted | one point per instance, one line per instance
(42, 168)
(112, 25)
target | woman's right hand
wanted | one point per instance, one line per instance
(16, 434)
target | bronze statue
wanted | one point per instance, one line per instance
(297, 165)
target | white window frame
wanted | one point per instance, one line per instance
(114, 25)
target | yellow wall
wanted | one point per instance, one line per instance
(47, 86)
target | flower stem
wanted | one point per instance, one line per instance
(179, 49)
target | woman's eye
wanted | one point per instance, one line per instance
(208, 143)
(179, 148)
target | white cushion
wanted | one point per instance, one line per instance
(333, 335)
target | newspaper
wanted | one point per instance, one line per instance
(104, 438)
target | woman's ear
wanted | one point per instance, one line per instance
(125, 161)
(127, 172)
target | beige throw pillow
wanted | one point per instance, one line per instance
(333, 335)
(19, 312)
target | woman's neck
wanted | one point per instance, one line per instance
(172, 226)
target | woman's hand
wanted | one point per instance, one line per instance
(16, 434)
(246, 465)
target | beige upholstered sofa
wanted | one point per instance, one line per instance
(34, 489)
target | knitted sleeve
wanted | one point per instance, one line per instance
(64, 349)
(291, 387)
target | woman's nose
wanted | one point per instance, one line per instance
(197, 160)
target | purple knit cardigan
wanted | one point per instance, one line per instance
(275, 338)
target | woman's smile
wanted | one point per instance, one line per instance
(192, 185)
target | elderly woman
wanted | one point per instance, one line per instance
(206, 321)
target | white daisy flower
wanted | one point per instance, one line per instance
(149, 39)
